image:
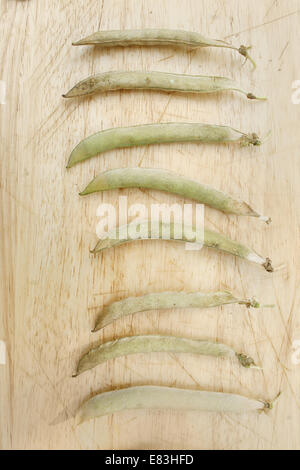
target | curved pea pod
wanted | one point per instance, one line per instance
(155, 343)
(147, 134)
(168, 300)
(163, 180)
(169, 82)
(158, 37)
(142, 231)
(153, 397)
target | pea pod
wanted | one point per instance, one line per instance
(168, 300)
(170, 82)
(154, 343)
(121, 137)
(164, 180)
(142, 231)
(153, 397)
(157, 37)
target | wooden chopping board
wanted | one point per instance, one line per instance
(51, 286)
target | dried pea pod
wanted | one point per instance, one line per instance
(157, 37)
(153, 397)
(163, 180)
(168, 300)
(147, 134)
(142, 231)
(155, 343)
(170, 82)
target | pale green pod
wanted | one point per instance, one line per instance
(164, 180)
(147, 134)
(176, 232)
(167, 300)
(162, 81)
(153, 397)
(157, 37)
(154, 343)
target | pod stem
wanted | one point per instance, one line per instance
(270, 405)
(247, 361)
(255, 304)
(243, 50)
(250, 303)
(251, 96)
(268, 266)
(250, 139)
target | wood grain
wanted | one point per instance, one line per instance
(52, 288)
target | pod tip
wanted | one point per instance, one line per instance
(85, 192)
(81, 42)
(79, 418)
(268, 266)
(265, 219)
(97, 328)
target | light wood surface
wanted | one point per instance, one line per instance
(52, 287)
